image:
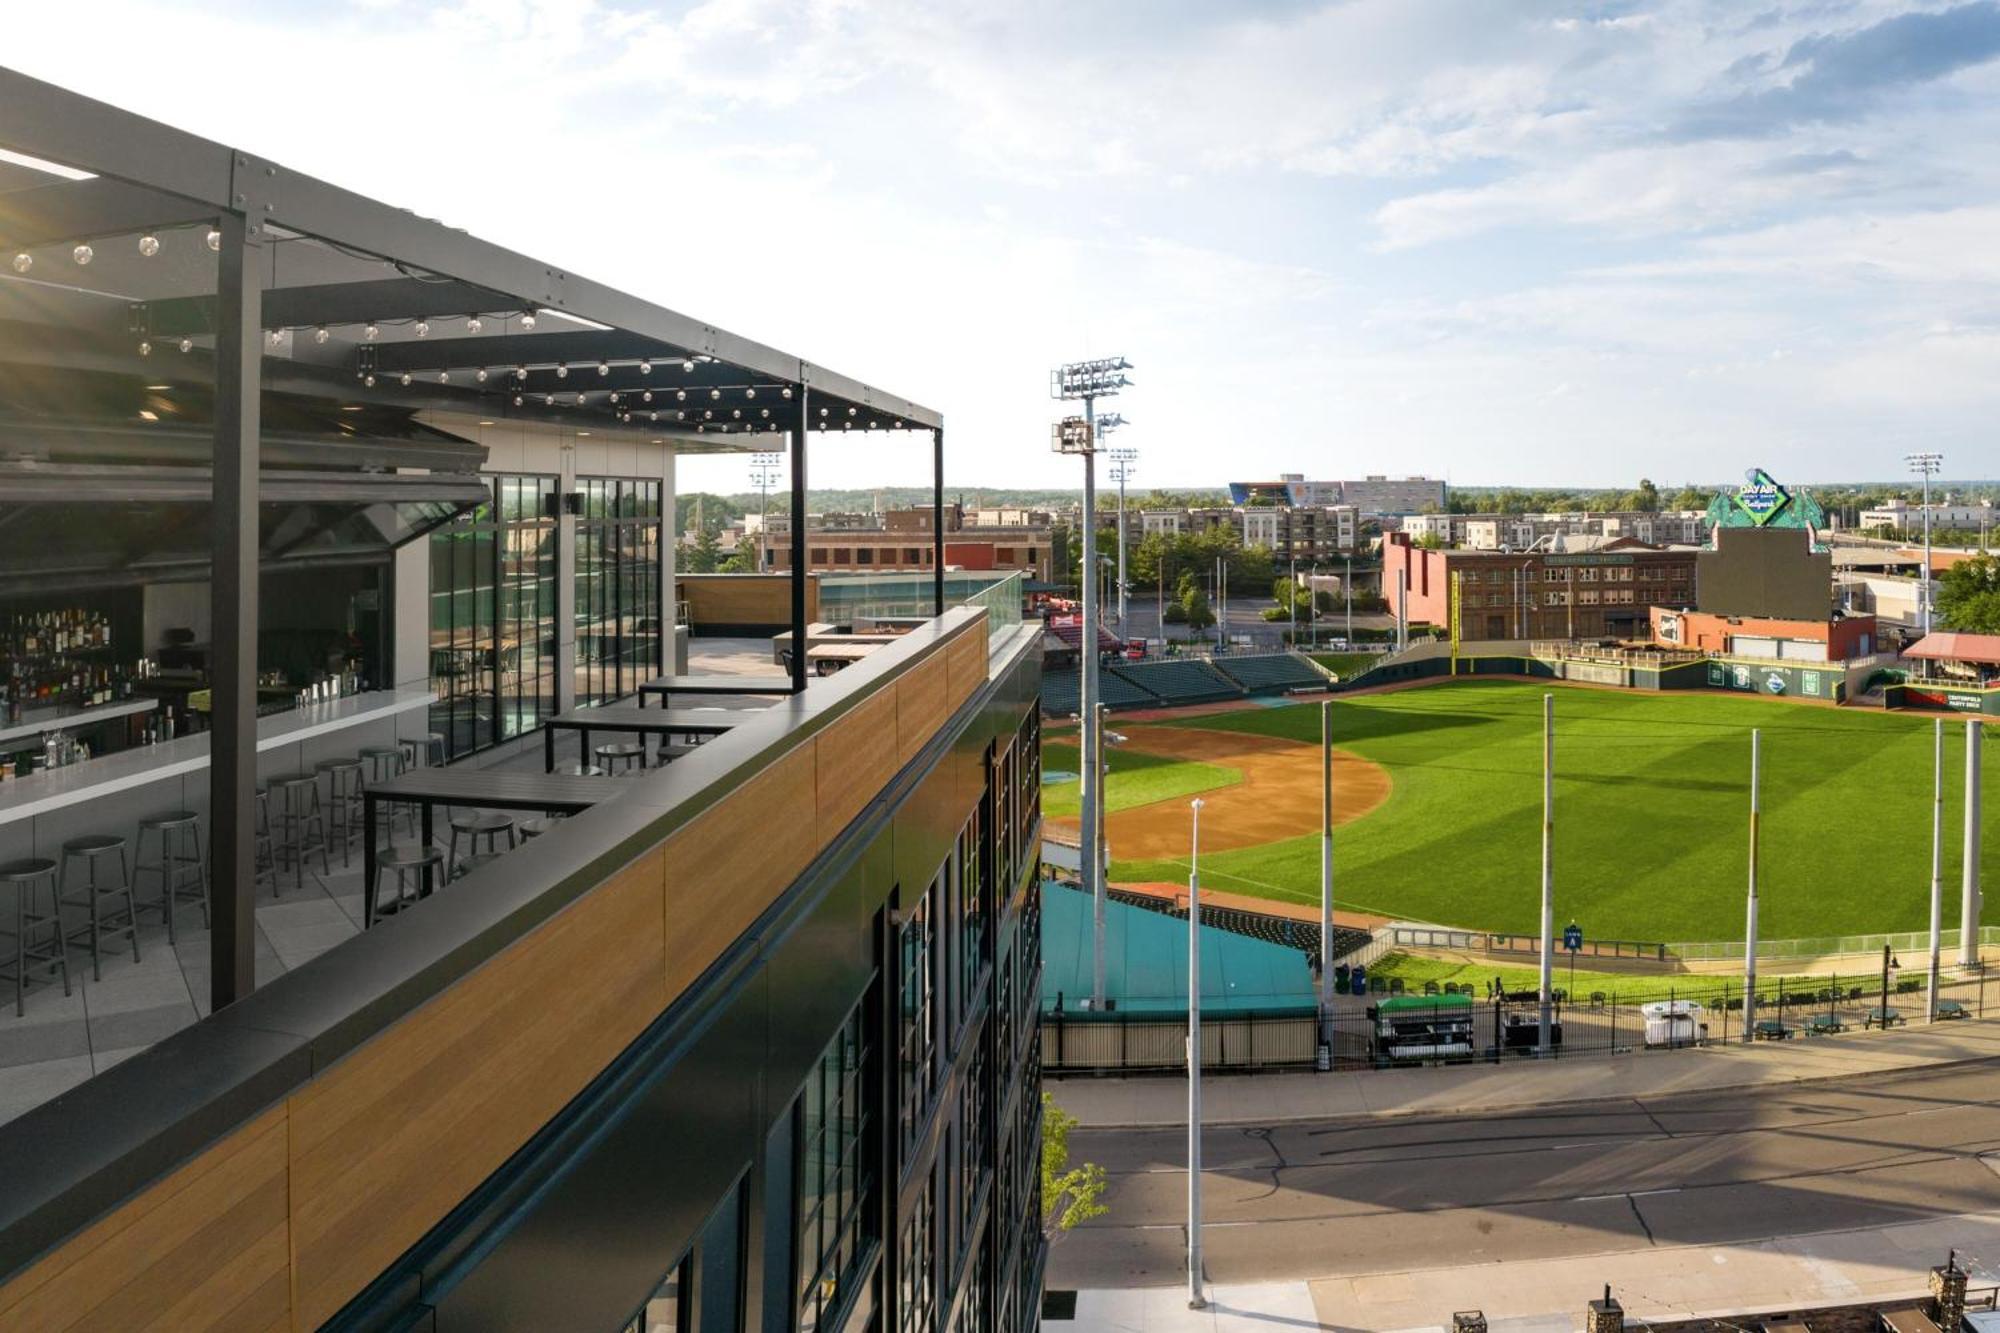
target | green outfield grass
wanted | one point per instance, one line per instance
(1346, 664)
(1651, 813)
(1135, 779)
(1625, 986)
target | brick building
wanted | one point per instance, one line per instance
(899, 541)
(1603, 593)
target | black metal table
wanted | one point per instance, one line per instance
(428, 788)
(668, 686)
(640, 722)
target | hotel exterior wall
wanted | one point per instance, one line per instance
(379, 1143)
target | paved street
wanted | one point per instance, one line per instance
(1374, 1195)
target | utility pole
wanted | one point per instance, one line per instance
(765, 469)
(1750, 917)
(1926, 464)
(1347, 585)
(1542, 1047)
(1089, 381)
(1195, 1299)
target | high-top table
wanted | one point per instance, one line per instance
(637, 721)
(427, 788)
(668, 686)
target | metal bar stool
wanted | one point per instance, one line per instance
(425, 864)
(264, 851)
(629, 754)
(429, 750)
(476, 824)
(301, 823)
(473, 863)
(111, 921)
(385, 762)
(183, 874)
(343, 802)
(28, 879)
(581, 771)
(535, 828)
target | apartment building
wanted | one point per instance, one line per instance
(1373, 496)
(1605, 592)
(899, 541)
(1518, 532)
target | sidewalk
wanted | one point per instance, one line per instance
(1261, 1099)
(1548, 1296)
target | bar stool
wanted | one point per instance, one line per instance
(631, 754)
(430, 749)
(424, 863)
(104, 922)
(28, 879)
(301, 823)
(183, 874)
(264, 852)
(477, 824)
(473, 863)
(581, 771)
(343, 802)
(385, 762)
(535, 828)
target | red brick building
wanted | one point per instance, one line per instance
(1603, 593)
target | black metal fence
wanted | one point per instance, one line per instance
(1138, 1041)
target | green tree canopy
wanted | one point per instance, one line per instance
(1969, 595)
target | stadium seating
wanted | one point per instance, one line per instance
(1062, 693)
(1271, 673)
(1178, 681)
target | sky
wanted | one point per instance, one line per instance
(1504, 243)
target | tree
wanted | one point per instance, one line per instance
(1194, 604)
(1969, 595)
(1691, 497)
(1646, 499)
(1071, 1195)
(742, 560)
(1430, 541)
(703, 556)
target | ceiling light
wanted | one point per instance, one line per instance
(423, 329)
(23, 262)
(145, 349)
(475, 325)
(83, 254)
(214, 239)
(321, 334)
(527, 320)
(370, 333)
(149, 245)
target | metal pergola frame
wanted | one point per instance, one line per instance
(150, 175)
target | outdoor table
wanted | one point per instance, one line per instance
(428, 788)
(668, 686)
(1772, 1029)
(827, 658)
(1882, 1017)
(638, 721)
(1820, 1024)
(1952, 1009)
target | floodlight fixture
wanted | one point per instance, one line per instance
(1109, 422)
(1090, 379)
(1072, 436)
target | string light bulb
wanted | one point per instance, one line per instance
(321, 334)
(520, 372)
(277, 337)
(214, 239)
(604, 367)
(83, 254)
(423, 329)
(149, 245)
(369, 379)
(688, 365)
(187, 344)
(645, 367)
(480, 375)
(787, 393)
(517, 400)
(562, 370)
(369, 332)
(527, 321)
(406, 379)
(579, 400)
(23, 262)
(444, 377)
(715, 395)
(475, 325)
(145, 348)
(680, 395)
(646, 397)
(749, 393)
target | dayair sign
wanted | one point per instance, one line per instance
(1761, 498)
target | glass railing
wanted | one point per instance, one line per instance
(842, 597)
(1002, 602)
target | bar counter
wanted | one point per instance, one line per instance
(159, 775)
(40, 721)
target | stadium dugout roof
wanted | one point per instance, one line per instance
(1947, 646)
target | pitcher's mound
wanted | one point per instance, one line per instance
(1278, 798)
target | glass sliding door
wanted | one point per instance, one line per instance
(617, 587)
(492, 618)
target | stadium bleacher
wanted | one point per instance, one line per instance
(1062, 693)
(1178, 680)
(1271, 673)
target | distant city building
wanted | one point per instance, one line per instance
(1291, 532)
(1603, 593)
(1372, 496)
(899, 541)
(1520, 532)
(1901, 516)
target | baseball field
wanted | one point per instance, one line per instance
(1438, 809)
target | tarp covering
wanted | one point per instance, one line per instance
(1145, 961)
(1946, 646)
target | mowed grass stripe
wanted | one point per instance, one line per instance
(1136, 778)
(1652, 807)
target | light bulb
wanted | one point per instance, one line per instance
(369, 379)
(604, 367)
(680, 395)
(187, 344)
(850, 411)
(579, 400)
(321, 334)
(475, 325)
(214, 239)
(277, 337)
(680, 416)
(548, 400)
(614, 398)
(517, 400)
(562, 370)
(481, 375)
(749, 393)
(369, 333)
(715, 395)
(527, 321)
(898, 425)
(646, 397)
(822, 411)
(145, 349)
(149, 246)
(736, 413)
(406, 379)
(520, 372)
(444, 377)
(423, 328)
(764, 412)
(624, 416)
(645, 367)
(688, 366)
(83, 254)
(652, 416)
(707, 415)
(787, 391)
(23, 262)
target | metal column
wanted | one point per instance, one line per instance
(1937, 868)
(1969, 903)
(937, 520)
(1093, 780)
(799, 546)
(1750, 910)
(1195, 1298)
(1326, 863)
(1548, 875)
(233, 542)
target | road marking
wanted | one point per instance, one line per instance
(1640, 1194)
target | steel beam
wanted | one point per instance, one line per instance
(798, 543)
(232, 774)
(937, 519)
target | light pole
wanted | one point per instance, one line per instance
(1970, 902)
(1347, 586)
(1890, 966)
(766, 470)
(1195, 1299)
(1750, 917)
(1548, 877)
(1937, 864)
(1326, 860)
(1089, 381)
(1927, 465)
(1124, 462)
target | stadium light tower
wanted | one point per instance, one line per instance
(1124, 463)
(1087, 381)
(1927, 466)
(766, 471)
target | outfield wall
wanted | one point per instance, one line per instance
(1954, 698)
(1820, 681)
